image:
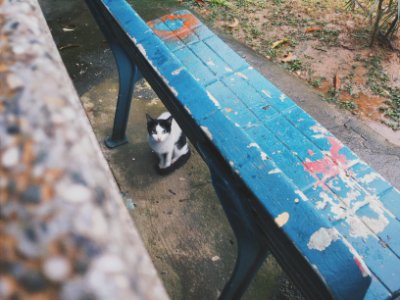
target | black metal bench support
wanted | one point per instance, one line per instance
(128, 74)
(251, 244)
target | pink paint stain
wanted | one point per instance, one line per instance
(360, 265)
(330, 165)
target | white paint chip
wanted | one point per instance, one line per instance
(322, 238)
(318, 136)
(253, 145)
(370, 177)
(275, 171)
(177, 71)
(318, 128)
(213, 99)
(241, 75)
(210, 63)
(264, 156)
(207, 132)
(141, 49)
(188, 110)
(301, 195)
(174, 91)
(267, 93)
(282, 219)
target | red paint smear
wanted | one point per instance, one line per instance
(360, 266)
(310, 152)
(189, 22)
(330, 165)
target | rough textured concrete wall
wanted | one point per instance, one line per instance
(64, 232)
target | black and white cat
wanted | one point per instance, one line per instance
(168, 141)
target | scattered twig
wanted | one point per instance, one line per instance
(320, 49)
(69, 46)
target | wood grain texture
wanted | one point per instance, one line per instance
(337, 211)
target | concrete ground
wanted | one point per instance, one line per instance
(179, 217)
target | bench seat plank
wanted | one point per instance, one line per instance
(295, 168)
(303, 140)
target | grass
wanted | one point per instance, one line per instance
(333, 97)
(377, 78)
(316, 82)
(393, 111)
(293, 65)
(329, 37)
(220, 2)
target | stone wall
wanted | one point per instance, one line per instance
(64, 231)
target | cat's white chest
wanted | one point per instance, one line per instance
(161, 147)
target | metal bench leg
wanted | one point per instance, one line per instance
(127, 71)
(252, 246)
(128, 76)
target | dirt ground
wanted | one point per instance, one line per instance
(323, 44)
(179, 216)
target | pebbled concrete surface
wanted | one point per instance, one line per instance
(179, 216)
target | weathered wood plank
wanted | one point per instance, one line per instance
(304, 144)
(307, 181)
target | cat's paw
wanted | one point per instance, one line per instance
(179, 163)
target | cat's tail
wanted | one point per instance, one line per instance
(176, 165)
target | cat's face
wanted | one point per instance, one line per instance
(158, 130)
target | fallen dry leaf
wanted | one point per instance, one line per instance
(278, 43)
(336, 82)
(313, 29)
(233, 24)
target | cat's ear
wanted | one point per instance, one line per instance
(169, 120)
(149, 118)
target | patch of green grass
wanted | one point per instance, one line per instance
(316, 82)
(220, 3)
(348, 105)
(330, 37)
(393, 111)
(349, 88)
(255, 32)
(293, 65)
(362, 34)
(333, 97)
(271, 53)
(377, 78)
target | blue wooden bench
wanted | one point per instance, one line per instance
(286, 184)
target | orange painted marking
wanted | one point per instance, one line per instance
(189, 22)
